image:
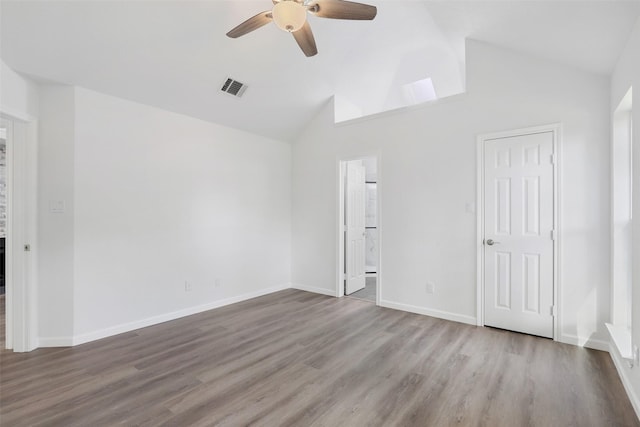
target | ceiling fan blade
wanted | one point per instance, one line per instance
(253, 23)
(340, 9)
(304, 37)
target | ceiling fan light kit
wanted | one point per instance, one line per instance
(291, 16)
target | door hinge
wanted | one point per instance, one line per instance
(27, 248)
(553, 159)
(554, 235)
(553, 311)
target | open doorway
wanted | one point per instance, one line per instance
(359, 233)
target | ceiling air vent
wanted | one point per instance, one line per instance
(233, 87)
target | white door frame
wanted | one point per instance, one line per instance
(340, 175)
(556, 130)
(20, 277)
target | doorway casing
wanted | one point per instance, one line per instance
(21, 261)
(556, 130)
(340, 220)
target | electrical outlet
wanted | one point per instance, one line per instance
(187, 286)
(431, 287)
(217, 283)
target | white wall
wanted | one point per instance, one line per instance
(18, 95)
(428, 174)
(55, 229)
(162, 199)
(153, 199)
(626, 75)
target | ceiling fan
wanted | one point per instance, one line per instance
(291, 16)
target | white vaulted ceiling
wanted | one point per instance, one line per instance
(175, 55)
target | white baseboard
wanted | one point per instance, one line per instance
(623, 372)
(323, 291)
(455, 317)
(584, 342)
(143, 323)
(55, 342)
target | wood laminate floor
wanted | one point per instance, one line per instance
(298, 359)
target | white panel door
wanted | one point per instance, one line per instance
(518, 249)
(355, 227)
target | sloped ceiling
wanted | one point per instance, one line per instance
(175, 55)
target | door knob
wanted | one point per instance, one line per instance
(491, 242)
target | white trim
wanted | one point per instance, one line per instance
(446, 315)
(31, 235)
(479, 232)
(322, 291)
(143, 323)
(557, 242)
(587, 342)
(556, 130)
(456, 97)
(621, 339)
(340, 275)
(21, 272)
(9, 245)
(379, 226)
(55, 342)
(340, 160)
(623, 373)
(16, 114)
